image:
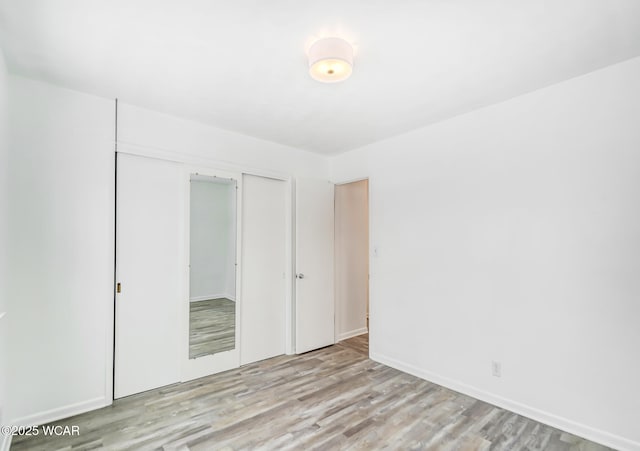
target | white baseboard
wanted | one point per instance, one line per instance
(207, 297)
(352, 333)
(581, 430)
(61, 412)
(212, 296)
(5, 442)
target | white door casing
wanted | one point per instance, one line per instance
(351, 258)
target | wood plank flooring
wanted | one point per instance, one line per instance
(212, 327)
(331, 399)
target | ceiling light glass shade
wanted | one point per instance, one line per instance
(330, 60)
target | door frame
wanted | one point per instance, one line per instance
(369, 254)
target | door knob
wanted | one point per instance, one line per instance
(300, 276)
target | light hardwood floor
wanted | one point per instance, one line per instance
(212, 327)
(329, 399)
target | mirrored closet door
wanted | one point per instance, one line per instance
(177, 297)
(212, 265)
(212, 297)
(182, 290)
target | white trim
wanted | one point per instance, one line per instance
(110, 317)
(352, 333)
(581, 430)
(5, 442)
(196, 160)
(60, 413)
(289, 280)
(346, 182)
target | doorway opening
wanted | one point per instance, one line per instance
(352, 259)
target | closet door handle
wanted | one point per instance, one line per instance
(300, 276)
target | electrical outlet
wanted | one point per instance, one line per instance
(496, 369)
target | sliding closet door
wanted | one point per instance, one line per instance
(149, 238)
(264, 268)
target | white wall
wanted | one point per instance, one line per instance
(144, 131)
(212, 241)
(61, 212)
(60, 248)
(512, 234)
(4, 205)
(351, 258)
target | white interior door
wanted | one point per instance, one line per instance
(314, 264)
(264, 248)
(149, 236)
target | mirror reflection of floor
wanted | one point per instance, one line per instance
(212, 327)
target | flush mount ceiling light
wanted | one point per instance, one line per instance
(330, 60)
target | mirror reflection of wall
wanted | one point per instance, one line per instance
(212, 281)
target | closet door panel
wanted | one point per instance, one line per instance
(149, 238)
(264, 268)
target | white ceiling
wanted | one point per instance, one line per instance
(241, 65)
